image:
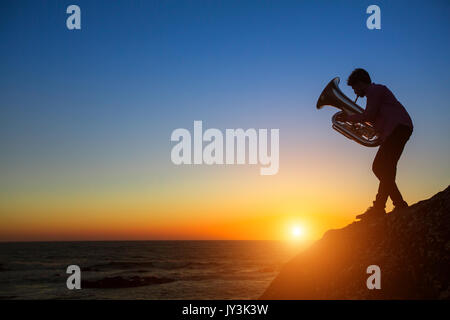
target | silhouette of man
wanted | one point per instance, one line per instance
(394, 125)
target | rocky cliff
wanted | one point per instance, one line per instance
(411, 247)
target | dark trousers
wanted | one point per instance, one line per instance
(385, 166)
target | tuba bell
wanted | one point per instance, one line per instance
(363, 133)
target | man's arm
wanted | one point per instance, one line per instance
(372, 107)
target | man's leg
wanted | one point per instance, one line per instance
(397, 198)
(403, 134)
(385, 167)
(387, 181)
(379, 169)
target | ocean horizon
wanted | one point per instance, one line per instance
(152, 269)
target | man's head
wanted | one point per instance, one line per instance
(359, 80)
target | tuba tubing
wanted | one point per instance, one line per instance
(362, 133)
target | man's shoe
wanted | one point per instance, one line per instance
(372, 213)
(400, 207)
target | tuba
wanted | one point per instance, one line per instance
(363, 133)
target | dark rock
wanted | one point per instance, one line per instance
(411, 247)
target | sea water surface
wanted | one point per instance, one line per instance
(176, 269)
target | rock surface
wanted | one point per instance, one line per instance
(411, 247)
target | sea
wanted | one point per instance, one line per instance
(152, 270)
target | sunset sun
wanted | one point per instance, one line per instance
(297, 232)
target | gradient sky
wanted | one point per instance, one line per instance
(86, 116)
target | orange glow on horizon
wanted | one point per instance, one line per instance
(232, 203)
(141, 227)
